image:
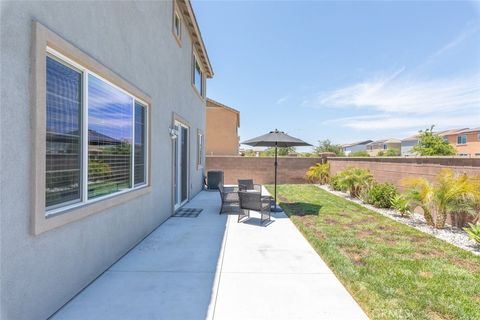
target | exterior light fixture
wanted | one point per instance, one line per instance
(173, 133)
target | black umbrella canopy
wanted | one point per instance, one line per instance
(275, 138)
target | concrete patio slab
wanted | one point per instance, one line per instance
(283, 296)
(212, 267)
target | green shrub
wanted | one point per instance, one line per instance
(319, 173)
(402, 205)
(335, 183)
(473, 231)
(361, 153)
(381, 195)
(388, 153)
(450, 194)
(355, 180)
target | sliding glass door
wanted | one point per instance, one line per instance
(181, 144)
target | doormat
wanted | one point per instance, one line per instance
(187, 213)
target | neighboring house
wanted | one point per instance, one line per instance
(102, 121)
(222, 129)
(356, 146)
(466, 141)
(407, 144)
(373, 148)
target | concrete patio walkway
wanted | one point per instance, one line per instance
(212, 267)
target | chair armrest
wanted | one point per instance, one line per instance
(231, 189)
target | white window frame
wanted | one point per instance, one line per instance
(200, 151)
(59, 209)
(177, 35)
(202, 90)
(459, 137)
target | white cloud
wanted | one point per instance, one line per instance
(465, 34)
(282, 100)
(386, 121)
(400, 95)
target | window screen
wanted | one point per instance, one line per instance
(63, 124)
(140, 118)
(110, 136)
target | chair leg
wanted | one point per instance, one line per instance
(242, 214)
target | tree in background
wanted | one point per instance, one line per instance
(270, 152)
(430, 144)
(328, 146)
(361, 153)
(388, 153)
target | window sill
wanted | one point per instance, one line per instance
(57, 218)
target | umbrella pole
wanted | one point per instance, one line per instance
(276, 208)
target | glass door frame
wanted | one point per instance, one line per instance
(178, 164)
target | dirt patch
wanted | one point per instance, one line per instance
(467, 265)
(426, 274)
(362, 221)
(364, 234)
(329, 221)
(356, 255)
(310, 225)
(433, 315)
(418, 239)
(427, 253)
(344, 214)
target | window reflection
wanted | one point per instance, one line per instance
(63, 155)
(110, 135)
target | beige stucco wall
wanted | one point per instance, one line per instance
(221, 134)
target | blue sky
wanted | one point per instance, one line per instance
(344, 71)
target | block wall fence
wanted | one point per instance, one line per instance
(261, 169)
(394, 169)
(384, 169)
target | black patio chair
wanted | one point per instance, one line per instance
(247, 184)
(229, 198)
(254, 201)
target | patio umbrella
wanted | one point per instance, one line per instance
(277, 139)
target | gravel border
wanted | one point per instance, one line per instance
(456, 236)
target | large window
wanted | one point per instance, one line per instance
(462, 139)
(95, 147)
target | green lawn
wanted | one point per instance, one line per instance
(392, 270)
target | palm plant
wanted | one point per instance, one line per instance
(402, 205)
(319, 173)
(355, 180)
(473, 231)
(451, 194)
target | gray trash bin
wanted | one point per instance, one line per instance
(214, 178)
